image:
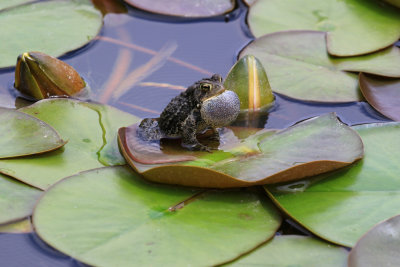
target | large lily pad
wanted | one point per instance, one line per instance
(345, 204)
(111, 217)
(292, 250)
(311, 147)
(22, 135)
(298, 66)
(52, 27)
(11, 3)
(383, 94)
(378, 247)
(91, 131)
(345, 22)
(185, 8)
(16, 199)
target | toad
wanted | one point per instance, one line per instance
(202, 106)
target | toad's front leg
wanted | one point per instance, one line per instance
(189, 131)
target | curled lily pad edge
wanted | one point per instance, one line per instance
(166, 174)
(62, 142)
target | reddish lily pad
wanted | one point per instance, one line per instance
(380, 246)
(185, 8)
(298, 66)
(311, 147)
(344, 22)
(383, 94)
(23, 135)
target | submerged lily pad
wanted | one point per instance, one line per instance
(91, 131)
(185, 8)
(20, 227)
(22, 135)
(383, 94)
(292, 250)
(52, 27)
(342, 206)
(247, 78)
(17, 199)
(298, 66)
(112, 217)
(380, 246)
(311, 147)
(344, 22)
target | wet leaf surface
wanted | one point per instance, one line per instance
(311, 147)
(341, 206)
(380, 246)
(293, 250)
(58, 22)
(298, 66)
(345, 22)
(91, 131)
(247, 78)
(20, 227)
(22, 135)
(383, 94)
(111, 217)
(16, 199)
(185, 8)
(11, 3)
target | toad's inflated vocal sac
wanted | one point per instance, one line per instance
(204, 105)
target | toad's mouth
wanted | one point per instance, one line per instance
(222, 90)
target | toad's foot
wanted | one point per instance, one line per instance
(197, 146)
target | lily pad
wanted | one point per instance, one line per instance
(341, 206)
(378, 247)
(298, 66)
(185, 8)
(311, 147)
(20, 227)
(52, 27)
(383, 94)
(22, 135)
(292, 250)
(395, 3)
(247, 78)
(11, 3)
(111, 217)
(344, 22)
(91, 131)
(17, 199)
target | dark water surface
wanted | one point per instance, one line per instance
(203, 46)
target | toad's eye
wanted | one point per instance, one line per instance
(206, 87)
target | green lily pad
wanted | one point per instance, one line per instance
(341, 206)
(247, 78)
(11, 3)
(383, 94)
(298, 66)
(292, 250)
(20, 227)
(380, 246)
(111, 217)
(22, 135)
(344, 22)
(91, 131)
(17, 199)
(185, 8)
(311, 147)
(52, 27)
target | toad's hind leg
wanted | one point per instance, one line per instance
(189, 130)
(149, 130)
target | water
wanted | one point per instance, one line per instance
(203, 47)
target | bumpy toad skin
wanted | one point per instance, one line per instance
(184, 117)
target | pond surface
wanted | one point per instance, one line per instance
(203, 47)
